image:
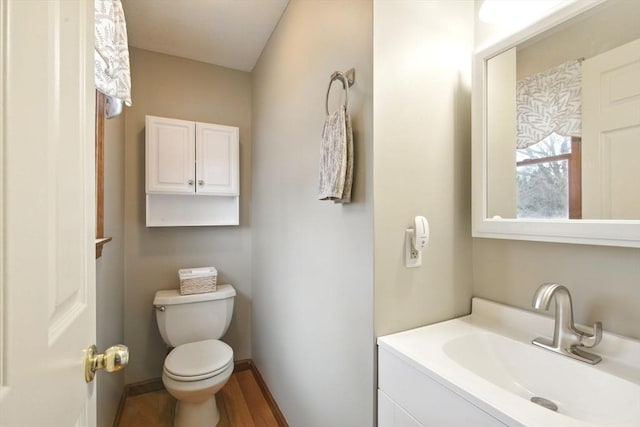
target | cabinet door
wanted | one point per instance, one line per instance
(217, 159)
(170, 155)
(390, 414)
(424, 399)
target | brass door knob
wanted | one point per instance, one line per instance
(113, 359)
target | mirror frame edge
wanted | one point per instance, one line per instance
(622, 233)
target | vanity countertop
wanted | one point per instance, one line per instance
(488, 359)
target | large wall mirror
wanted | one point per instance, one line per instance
(556, 129)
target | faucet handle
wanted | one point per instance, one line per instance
(591, 340)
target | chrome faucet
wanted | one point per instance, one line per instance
(567, 339)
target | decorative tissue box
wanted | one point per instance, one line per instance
(197, 280)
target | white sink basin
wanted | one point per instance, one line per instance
(488, 359)
(578, 390)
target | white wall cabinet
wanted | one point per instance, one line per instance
(191, 157)
(192, 173)
(217, 159)
(171, 155)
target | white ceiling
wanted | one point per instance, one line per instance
(229, 33)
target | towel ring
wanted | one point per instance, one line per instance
(347, 80)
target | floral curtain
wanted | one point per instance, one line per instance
(549, 102)
(112, 73)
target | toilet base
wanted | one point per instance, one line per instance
(204, 414)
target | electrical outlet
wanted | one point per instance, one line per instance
(412, 257)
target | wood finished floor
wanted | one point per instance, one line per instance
(241, 404)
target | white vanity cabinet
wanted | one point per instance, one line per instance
(407, 397)
(390, 414)
(192, 173)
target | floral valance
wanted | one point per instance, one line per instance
(112, 73)
(549, 102)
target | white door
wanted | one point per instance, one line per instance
(47, 282)
(217, 159)
(611, 134)
(171, 151)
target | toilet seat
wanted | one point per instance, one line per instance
(198, 360)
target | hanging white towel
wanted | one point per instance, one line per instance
(112, 72)
(336, 158)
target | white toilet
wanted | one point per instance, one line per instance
(199, 365)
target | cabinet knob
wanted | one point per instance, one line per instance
(190, 182)
(200, 182)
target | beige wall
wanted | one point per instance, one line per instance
(485, 34)
(110, 269)
(172, 87)
(603, 280)
(422, 62)
(312, 329)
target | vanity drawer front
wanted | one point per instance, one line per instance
(429, 402)
(390, 414)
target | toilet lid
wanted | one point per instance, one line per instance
(198, 360)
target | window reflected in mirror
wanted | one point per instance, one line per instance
(548, 179)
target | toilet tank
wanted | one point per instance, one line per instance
(188, 318)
